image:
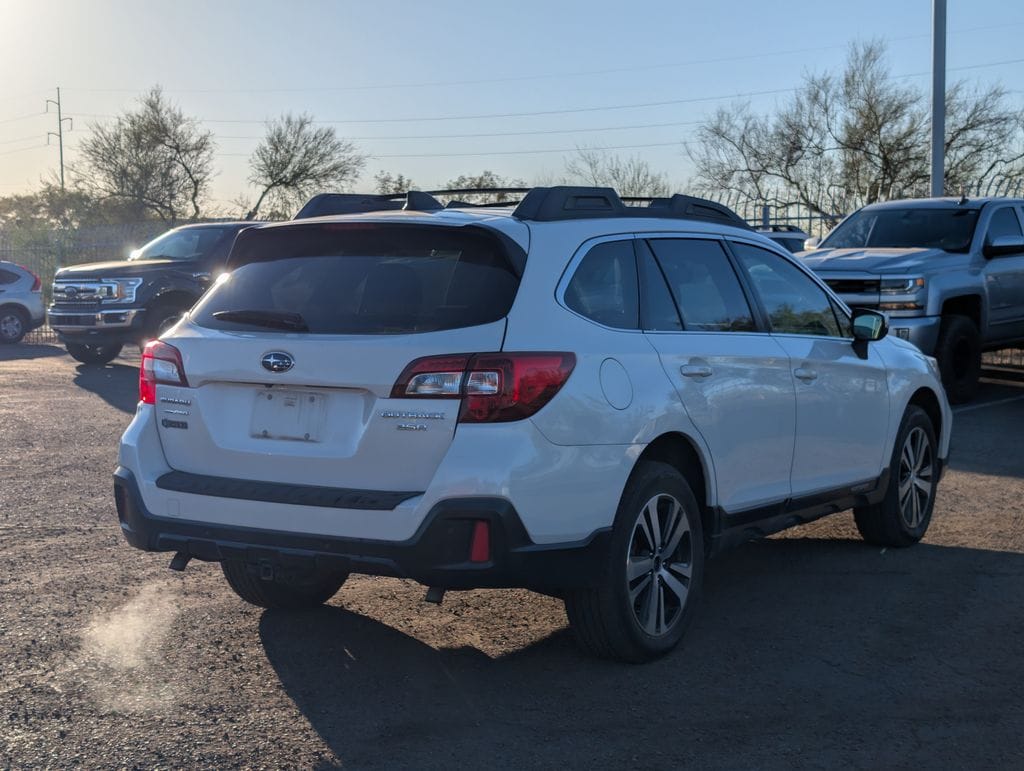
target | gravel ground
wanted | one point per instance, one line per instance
(811, 649)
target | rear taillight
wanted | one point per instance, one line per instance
(161, 363)
(494, 387)
(37, 284)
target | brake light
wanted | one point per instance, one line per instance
(37, 284)
(494, 387)
(161, 363)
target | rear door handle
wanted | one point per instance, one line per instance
(695, 370)
(805, 374)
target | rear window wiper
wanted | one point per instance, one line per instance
(292, 322)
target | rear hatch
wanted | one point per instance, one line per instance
(291, 359)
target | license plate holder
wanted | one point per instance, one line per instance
(286, 414)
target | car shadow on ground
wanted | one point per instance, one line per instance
(792, 633)
(21, 351)
(117, 384)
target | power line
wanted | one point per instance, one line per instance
(579, 130)
(21, 149)
(522, 78)
(21, 117)
(569, 111)
(20, 139)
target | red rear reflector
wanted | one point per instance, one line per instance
(480, 545)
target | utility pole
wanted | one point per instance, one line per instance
(938, 98)
(59, 133)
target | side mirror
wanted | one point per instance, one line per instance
(1001, 245)
(811, 243)
(868, 325)
(134, 254)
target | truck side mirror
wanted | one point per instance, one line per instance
(811, 243)
(1001, 245)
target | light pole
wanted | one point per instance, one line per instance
(59, 133)
(938, 98)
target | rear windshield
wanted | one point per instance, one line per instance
(361, 278)
(947, 229)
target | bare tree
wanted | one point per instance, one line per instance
(154, 158)
(297, 159)
(845, 141)
(482, 181)
(392, 183)
(629, 176)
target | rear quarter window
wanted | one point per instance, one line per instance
(363, 278)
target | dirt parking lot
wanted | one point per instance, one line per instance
(810, 649)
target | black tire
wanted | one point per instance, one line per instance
(900, 521)
(94, 354)
(959, 355)
(606, 619)
(161, 317)
(13, 325)
(275, 593)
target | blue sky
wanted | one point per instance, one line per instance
(408, 81)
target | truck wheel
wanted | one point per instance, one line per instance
(959, 355)
(163, 315)
(278, 594)
(94, 354)
(13, 325)
(641, 606)
(902, 517)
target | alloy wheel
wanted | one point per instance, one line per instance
(916, 477)
(10, 326)
(659, 565)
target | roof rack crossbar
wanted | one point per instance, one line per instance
(552, 204)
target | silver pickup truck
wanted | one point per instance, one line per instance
(948, 272)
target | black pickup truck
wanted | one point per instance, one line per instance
(100, 306)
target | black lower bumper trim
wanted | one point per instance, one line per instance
(273, 492)
(436, 555)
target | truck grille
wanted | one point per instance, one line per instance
(83, 292)
(853, 285)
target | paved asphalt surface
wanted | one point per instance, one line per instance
(810, 649)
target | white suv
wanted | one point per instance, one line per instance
(572, 395)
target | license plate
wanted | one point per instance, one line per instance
(295, 415)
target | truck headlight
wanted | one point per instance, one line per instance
(125, 288)
(901, 285)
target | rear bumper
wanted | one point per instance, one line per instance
(436, 555)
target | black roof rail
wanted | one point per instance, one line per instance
(348, 203)
(538, 204)
(553, 204)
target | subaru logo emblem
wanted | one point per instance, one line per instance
(277, 361)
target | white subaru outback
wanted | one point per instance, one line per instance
(571, 395)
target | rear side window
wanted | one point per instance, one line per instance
(604, 286)
(8, 277)
(1004, 223)
(794, 303)
(362, 278)
(704, 285)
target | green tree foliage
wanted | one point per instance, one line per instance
(154, 159)
(296, 160)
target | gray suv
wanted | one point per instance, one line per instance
(21, 302)
(948, 272)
